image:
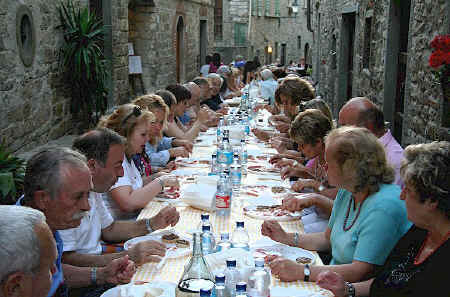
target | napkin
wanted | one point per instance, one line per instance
(293, 292)
(187, 172)
(265, 199)
(201, 194)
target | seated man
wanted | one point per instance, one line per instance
(82, 245)
(28, 252)
(57, 182)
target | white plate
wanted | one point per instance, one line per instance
(288, 252)
(156, 289)
(172, 253)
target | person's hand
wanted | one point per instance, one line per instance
(203, 115)
(170, 166)
(170, 180)
(279, 145)
(260, 134)
(303, 183)
(204, 128)
(280, 118)
(188, 145)
(293, 203)
(284, 162)
(288, 172)
(283, 127)
(179, 151)
(118, 271)
(274, 230)
(286, 270)
(147, 251)
(168, 216)
(332, 281)
(275, 158)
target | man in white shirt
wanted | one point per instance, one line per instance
(104, 150)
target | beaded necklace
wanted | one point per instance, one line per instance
(416, 261)
(348, 212)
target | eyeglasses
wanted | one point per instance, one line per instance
(136, 112)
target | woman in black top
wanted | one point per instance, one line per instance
(419, 264)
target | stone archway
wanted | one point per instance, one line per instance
(179, 49)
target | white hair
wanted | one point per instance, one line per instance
(266, 74)
(223, 70)
(19, 245)
(216, 76)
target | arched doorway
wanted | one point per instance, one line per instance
(307, 53)
(180, 49)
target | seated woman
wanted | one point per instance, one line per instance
(131, 193)
(367, 220)
(159, 148)
(418, 264)
(228, 89)
(175, 128)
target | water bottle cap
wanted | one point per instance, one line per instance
(220, 278)
(259, 262)
(242, 140)
(204, 216)
(214, 156)
(206, 228)
(231, 262)
(240, 224)
(224, 236)
(241, 286)
(205, 292)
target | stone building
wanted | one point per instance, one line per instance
(380, 49)
(169, 36)
(278, 30)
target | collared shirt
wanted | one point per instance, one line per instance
(58, 288)
(159, 154)
(268, 88)
(394, 154)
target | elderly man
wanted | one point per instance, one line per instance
(215, 103)
(57, 182)
(104, 150)
(362, 112)
(268, 86)
(28, 252)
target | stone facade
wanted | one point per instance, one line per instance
(389, 61)
(272, 23)
(34, 103)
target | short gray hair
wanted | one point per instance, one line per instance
(44, 170)
(426, 168)
(216, 76)
(266, 74)
(19, 245)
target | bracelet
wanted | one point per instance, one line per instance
(350, 289)
(295, 239)
(149, 227)
(94, 275)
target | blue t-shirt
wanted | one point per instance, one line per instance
(185, 118)
(381, 223)
(57, 278)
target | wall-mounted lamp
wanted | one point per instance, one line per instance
(269, 49)
(293, 8)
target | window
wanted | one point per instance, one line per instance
(299, 42)
(277, 8)
(218, 19)
(240, 34)
(254, 6)
(267, 11)
(367, 41)
(276, 50)
(260, 7)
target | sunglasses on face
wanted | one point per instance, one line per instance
(136, 112)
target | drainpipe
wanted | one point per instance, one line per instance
(249, 26)
(107, 23)
(308, 16)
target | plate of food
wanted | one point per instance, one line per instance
(177, 245)
(297, 255)
(271, 212)
(154, 289)
(170, 193)
(263, 169)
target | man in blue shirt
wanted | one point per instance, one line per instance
(57, 182)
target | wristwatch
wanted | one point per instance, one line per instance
(350, 289)
(306, 272)
(149, 227)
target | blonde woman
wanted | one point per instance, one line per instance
(132, 193)
(368, 217)
(159, 148)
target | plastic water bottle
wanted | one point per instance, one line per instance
(223, 198)
(213, 164)
(220, 127)
(208, 240)
(246, 124)
(204, 221)
(219, 289)
(241, 289)
(239, 238)
(244, 156)
(232, 276)
(205, 292)
(259, 280)
(236, 176)
(226, 152)
(224, 243)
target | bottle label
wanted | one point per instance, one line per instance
(222, 201)
(247, 129)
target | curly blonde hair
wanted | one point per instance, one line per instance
(297, 89)
(309, 126)
(123, 121)
(362, 158)
(427, 168)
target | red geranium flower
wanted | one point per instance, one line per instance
(437, 58)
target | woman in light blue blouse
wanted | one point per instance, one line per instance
(368, 217)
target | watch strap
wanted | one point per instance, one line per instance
(149, 227)
(350, 289)
(306, 272)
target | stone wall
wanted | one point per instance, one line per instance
(153, 32)
(34, 103)
(422, 103)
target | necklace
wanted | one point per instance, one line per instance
(348, 212)
(416, 261)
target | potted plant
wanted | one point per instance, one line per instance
(12, 173)
(440, 60)
(82, 61)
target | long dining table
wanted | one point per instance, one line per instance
(190, 217)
